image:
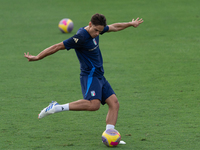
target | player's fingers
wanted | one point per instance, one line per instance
(141, 19)
(26, 55)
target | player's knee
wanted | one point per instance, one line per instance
(95, 105)
(95, 108)
(116, 104)
(113, 103)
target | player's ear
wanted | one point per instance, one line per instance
(90, 24)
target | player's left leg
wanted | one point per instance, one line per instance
(112, 115)
(113, 109)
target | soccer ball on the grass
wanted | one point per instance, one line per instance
(66, 25)
(111, 137)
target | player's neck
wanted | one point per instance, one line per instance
(87, 28)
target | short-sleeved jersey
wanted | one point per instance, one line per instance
(88, 52)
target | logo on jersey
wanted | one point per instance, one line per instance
(93, 93)
(93, 48)
(95, 42)
(75, 40)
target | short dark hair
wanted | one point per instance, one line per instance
(98, 19)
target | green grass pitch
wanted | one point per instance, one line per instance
(154, 70)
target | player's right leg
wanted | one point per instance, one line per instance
(79, 105)
(91, 90)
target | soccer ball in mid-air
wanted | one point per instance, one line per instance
(111, 137)
(66, 25)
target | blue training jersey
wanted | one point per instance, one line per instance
(88, 52)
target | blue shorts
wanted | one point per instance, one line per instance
(95, 88)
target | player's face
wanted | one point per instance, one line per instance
(94, 31)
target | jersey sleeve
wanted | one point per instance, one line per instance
(106, 28)
(74, 42)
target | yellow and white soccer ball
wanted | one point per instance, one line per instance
(111, 137)
(66, 25)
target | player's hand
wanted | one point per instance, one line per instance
(30, 57)
(136, 22)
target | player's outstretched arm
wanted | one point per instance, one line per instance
(48, 51)
(120, 26)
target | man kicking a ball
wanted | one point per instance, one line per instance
(96, 89)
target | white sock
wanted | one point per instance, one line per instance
(110, 126)
(64, 107)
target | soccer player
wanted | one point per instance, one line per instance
(96, 89)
